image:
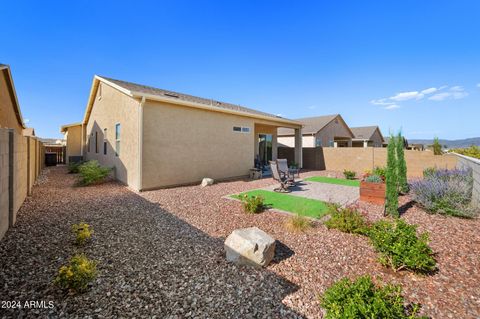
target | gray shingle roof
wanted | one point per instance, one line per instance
(311, 124)
(139, 88)
(363, 132)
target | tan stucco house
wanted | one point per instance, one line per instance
(324, 131)
(73, 138)
(367, 136)
(156, 138)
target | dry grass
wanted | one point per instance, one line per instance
(297, 223)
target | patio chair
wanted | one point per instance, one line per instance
(279, 177)
(283, 167)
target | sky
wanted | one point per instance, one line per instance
(409, 65)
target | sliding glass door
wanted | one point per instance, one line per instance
(265, 148)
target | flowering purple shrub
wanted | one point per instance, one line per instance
(446, 192)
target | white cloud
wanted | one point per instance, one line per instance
(455, 92)
(432, 93)
(26, 121)
(312, 107)
(392, 107)
(429, 91)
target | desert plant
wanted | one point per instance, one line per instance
(400, 247)
(401, 165)
(76, 276)
(447, 192)
(361, 298)
(349, 174)
(437, 147)
(253, 204)
(91, 172)
(73, 167)
(391, 179)
(374, 179)
(347, 220)
(82, 232)
(298, 223)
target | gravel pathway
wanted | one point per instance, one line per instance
(340, 194)
(161, 253)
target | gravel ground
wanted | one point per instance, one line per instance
(161, 253)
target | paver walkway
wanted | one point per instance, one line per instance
(340, 194)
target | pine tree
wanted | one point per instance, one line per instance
(401, 165)
(437, 147)
(391, 179)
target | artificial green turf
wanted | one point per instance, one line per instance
(294, 204)
(331, 180)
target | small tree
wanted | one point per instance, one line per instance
(401, 165)
(391, 178)
(437, 147)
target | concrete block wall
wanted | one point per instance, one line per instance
(474, 164)
(4, 172)
(21, 161)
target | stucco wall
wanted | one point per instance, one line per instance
(74, 141)
(115, 107)
(8, 118)
(474, 164)
(183, 145)
(307, 140)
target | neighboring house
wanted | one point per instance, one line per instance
(73, 138)
(10, 115)
(156, 138)
(387, 140)
(325, 131)
(367, 136)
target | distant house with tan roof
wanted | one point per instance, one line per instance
(367, 136)
(157, 138)
(325, 131)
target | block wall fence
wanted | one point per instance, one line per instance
(21, 161)
(474, 164)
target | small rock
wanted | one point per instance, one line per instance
(207, 182)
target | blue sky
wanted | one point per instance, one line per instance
(399, 64)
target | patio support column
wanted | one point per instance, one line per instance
(298, 147)
(274, 147)
(365, 143)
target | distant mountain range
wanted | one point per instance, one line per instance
(449, 143)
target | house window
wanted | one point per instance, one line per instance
(96, 142)
(104, 141)
(241, 129)
(117, 139)
(318, 142)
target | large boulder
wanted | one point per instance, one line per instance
(207, 182)
(250, 246)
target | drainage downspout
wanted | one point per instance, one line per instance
(140, 143)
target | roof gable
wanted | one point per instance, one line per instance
(366, 132)
(151, 93)
(312, 125)
(5, 68)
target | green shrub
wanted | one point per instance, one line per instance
(362, 299)
(253, 204)
(82, 232)
(437, 147)
(472, 151)
(400, 247)
(401, 165)
(298, 223)
(391, 179)
(347, 220)
(77, 274)
(380, 171)
(349, 174)
(73, 167)
(374, 179)
(91, 172)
